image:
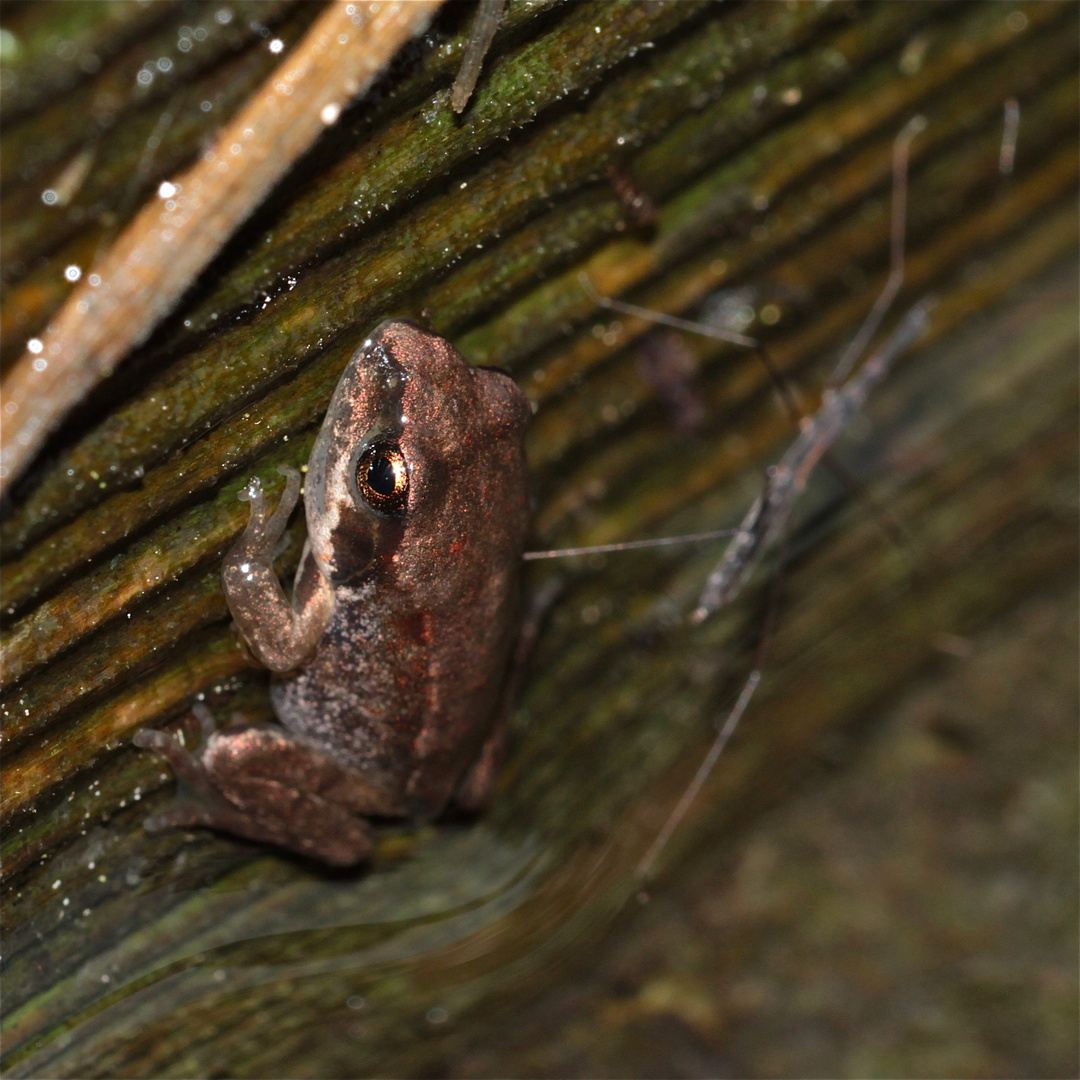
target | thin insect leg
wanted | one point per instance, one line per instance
(766, 519)
(892, 528)
(898, 231)
(858, 344)
(781, 383)
(727, 729)
(786, 480)
(769, 513)
(896, 531)
(628, 545)
(664, 320)
(481, 34)
(702, 774)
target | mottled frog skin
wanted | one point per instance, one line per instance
(391, 659)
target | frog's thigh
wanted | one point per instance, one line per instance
(474, 788)
(237, 755)
(287, 793)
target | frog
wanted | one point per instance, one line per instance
(391, 663)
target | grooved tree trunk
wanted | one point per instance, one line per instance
(761, 134)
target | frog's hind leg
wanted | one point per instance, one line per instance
(259, 782)
(197, 800)
(474, 789)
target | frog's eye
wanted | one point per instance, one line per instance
(382, 478)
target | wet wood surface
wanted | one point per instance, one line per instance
(762, 135)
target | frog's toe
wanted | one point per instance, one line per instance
(252, 491)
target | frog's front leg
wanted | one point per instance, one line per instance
(282, 635)
(260, 782)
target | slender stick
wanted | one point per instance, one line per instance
(174, 237)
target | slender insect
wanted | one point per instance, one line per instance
(765, 524)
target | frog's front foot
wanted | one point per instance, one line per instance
(280, 636)
(262, 535)
(257, 782)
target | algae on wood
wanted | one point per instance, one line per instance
(763, 133)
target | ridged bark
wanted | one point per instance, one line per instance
(762, 134)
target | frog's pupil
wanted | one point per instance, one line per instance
(382, 476)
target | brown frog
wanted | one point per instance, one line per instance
(391, 660)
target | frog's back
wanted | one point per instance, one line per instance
(408, 716)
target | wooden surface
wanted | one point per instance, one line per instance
(763, 134)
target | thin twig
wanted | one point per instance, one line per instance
(180, 230)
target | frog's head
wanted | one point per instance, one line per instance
(420, 458)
